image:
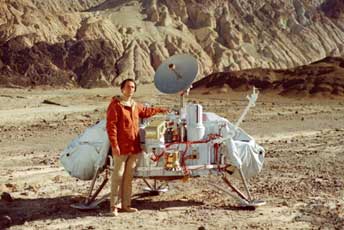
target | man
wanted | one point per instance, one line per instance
(123, 130)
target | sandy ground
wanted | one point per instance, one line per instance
(302, 180)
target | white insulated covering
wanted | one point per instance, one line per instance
(242, 150)
(87, 152)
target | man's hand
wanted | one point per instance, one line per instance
(115, 151)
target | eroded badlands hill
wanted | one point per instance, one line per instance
(322, 78)
(93, 43)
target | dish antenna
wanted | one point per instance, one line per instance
(176, 74)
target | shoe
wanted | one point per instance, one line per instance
(113, 212)
(129, 209)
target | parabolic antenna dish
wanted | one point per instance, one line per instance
(176, 73)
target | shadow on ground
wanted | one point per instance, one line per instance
(21, 210)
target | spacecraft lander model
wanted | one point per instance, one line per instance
(185, 143)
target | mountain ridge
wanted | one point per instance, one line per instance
(138, 35)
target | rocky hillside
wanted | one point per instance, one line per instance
(95, 43)
(321, 78)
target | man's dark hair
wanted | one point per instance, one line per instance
(125, 81)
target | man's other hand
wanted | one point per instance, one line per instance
(115, 151)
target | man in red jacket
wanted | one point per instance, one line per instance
(123, 130)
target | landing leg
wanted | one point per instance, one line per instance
(252, 202)
(155, 189)
(245, 201)
(91, 202)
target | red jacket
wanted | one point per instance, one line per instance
(123, 125)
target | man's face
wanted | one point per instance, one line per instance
(128, 89)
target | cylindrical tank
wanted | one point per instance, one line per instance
(194, 122)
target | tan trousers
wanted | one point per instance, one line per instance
(121, 180)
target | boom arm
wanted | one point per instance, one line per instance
(251, 103)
